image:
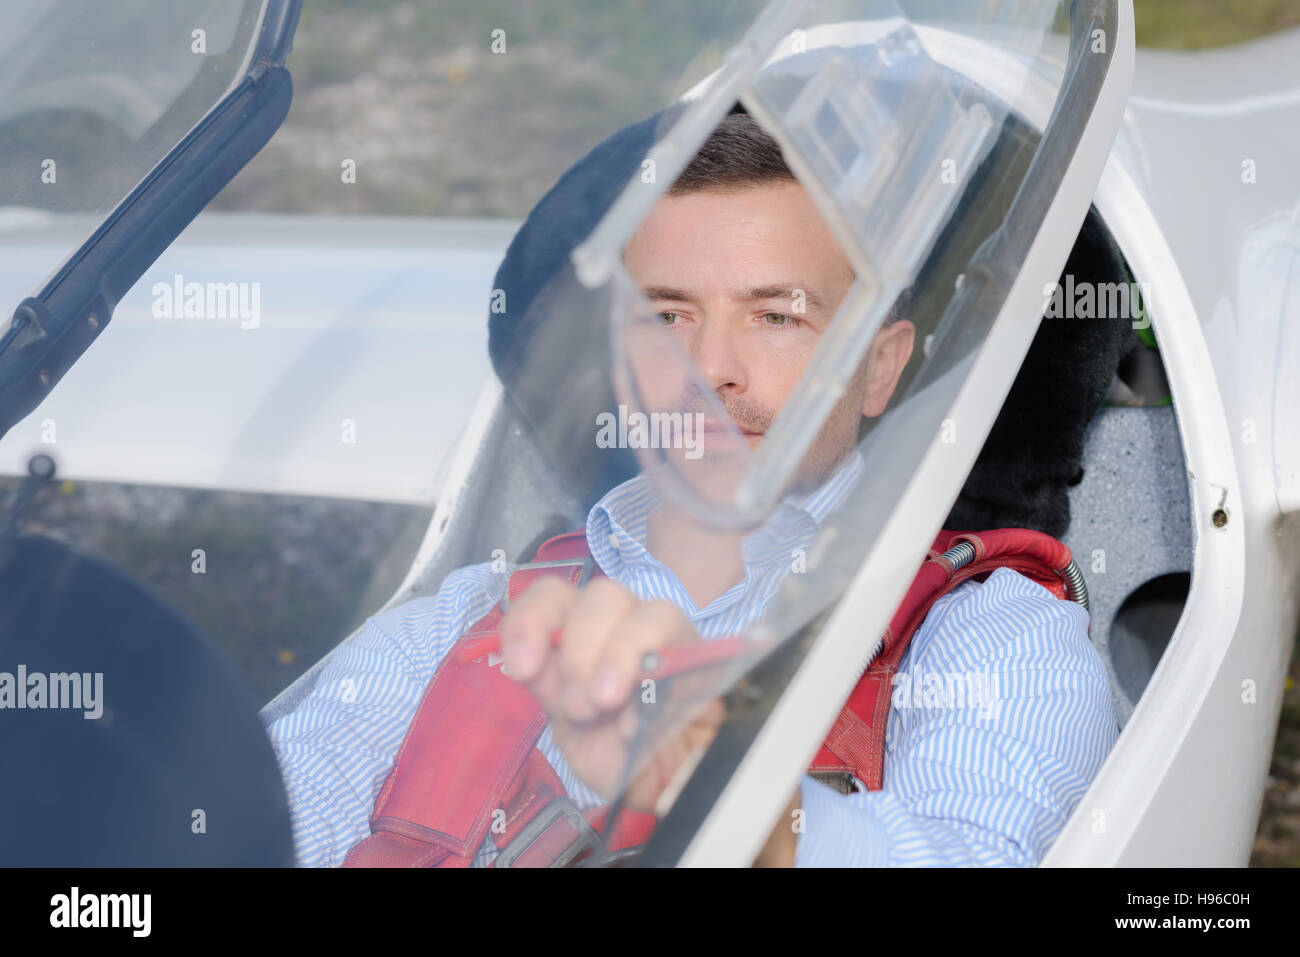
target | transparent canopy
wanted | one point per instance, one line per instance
(726, 371)
(737, 380)
(93, 94)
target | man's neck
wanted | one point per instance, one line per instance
(705, 560)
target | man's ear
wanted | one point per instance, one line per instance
(888, 357)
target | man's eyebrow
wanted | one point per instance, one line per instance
(781, 291)
(666, 294)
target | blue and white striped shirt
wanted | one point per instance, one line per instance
(1001, 725)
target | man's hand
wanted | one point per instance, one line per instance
(589, 684)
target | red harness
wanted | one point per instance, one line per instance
(440, 801)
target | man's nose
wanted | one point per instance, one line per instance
(715, 347)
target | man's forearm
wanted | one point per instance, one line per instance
(780, 847)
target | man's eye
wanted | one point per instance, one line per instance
(778, 319)
(669, 318)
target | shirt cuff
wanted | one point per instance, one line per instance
(840, 830)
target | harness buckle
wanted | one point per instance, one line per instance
(556, 836)
(586, 563)
(842, 781)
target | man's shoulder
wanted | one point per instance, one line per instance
(411, 638)
(1007, 613)
(1025, 647)
(470, 590)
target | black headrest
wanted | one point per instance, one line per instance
(564, 217)
(559, 385)
(1034, 452)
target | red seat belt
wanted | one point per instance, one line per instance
(442, 797)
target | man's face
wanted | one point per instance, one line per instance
(748, 281)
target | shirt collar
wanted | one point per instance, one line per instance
(617, 524)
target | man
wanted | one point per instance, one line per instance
(723, 257)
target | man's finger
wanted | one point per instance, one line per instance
(526, 628)
(594, 621)
(650, 626)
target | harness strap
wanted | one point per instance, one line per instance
(439, 803)
(855, 745)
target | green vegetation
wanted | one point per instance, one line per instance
(1197, 24)
(440, 124)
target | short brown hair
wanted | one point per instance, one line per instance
(739, 154)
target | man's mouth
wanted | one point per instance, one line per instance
(713, 426)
